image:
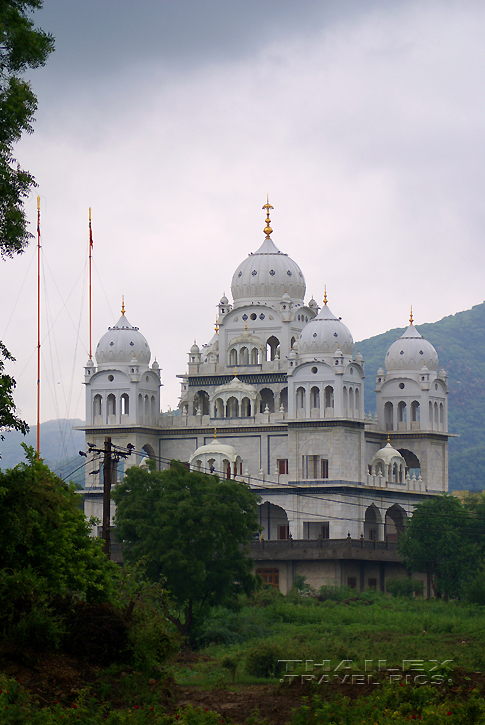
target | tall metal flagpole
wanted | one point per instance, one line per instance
(38, 327)
(90, 308)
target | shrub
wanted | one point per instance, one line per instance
(231, 664)
(264, 660)
(404, 586)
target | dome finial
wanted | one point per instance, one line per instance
(267, 230)
(217, 326)
(325, 296)
(123, 304)
(411, 316)
(235, 372)
(215, 432)
(245, 325)
(388, 439)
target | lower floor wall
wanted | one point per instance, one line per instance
(358, 575)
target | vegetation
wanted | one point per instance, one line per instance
(8, 417)
(191, 529)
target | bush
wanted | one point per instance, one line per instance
(265, 660)
(404, 586)
(335, 593)
(474, 591)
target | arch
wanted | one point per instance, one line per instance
(198, 464)
(97, 405)
(110, 406)
(244, 356)
(401, 412)
(415, 413)
(153, 408)
(389, 416)
(266, 398)
(149, 452)
(431, 415)
(254, 356)
(300, 398)
(245, 408)
(226, 468)
(201, 402)
(395, 522)
(233, 357)
(345, 400)
(442, 416)
(125, 404)
(357, 403)
(329, 397)
(272, 348)
(436, 417)
(315, 397)
(274, 521)
(284, 400)
(232, 407)
(140, 406)
(147, 407)
(218, 408)
(292, 342)
(351, 402)
(413, 465)
(372, 523)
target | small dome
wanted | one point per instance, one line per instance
(236, 385)
(325, 334)
(387, 455)
(155, 365)
(224, 300)
(410, 352)
(89, 363)
(215, 446)
(313, 305)
(359, 357)
(267, 275)
(121, 343)
(194, 349)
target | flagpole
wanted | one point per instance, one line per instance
(90, 300)
(38, 327)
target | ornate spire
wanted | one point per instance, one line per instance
(388, 438)
(267, 230)
(217, 326)
(122, 304)
(411, 316)
(215, 432)
(325, 296)
(235, 372)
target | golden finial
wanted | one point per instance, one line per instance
(122, 304)
(325, 296)
(388, 438)
(38, 203)
(235, 372)
(245, 325)
(89, 213)
(267, 230)
(411, 316)
(217, 326)
(215, 432)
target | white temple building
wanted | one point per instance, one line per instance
(276, 399)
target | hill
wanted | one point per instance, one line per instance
(460, 342)
(59, 445)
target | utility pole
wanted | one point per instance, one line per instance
(107, 469)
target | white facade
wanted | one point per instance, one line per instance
(280, 383)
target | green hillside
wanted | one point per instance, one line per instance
(460, 342)
(59, 447)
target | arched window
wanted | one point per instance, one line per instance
(357, 403)
(442, 416)
(329, 400)
(111, 405)
(284, 400)
(315, 397)
(272, 348)
(401, 412)
(198, 464)
(152, 405)
(292, 342)
(147, 407)
(345, 397)
(97, 403)
(436, 417)
(389, 416)
(394, 523)
(414, 411)
(244, 356)
(266, 399)
(140, 406)
(431, 416)
(218, 408)
(232, 408)
(233, 357)
(201, 402)
(351, 403)
(125, 404)
(300, 398)
(245, 408)
(254, 356)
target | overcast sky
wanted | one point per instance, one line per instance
(364, 120)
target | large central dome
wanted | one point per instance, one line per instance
(267, 274)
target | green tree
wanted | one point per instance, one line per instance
(193, 530)
(44, 530)
(21, 47)
(8, 418)
(440, 539)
